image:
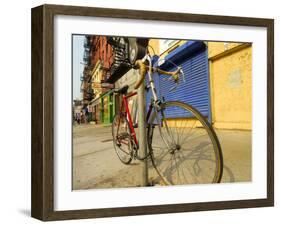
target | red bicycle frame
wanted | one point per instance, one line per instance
(128, 114)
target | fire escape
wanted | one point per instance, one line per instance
(86, 89)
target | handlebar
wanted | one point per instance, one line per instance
(142, 72)
(143, 68)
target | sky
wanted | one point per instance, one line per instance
(77, 59)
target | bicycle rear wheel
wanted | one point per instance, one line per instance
(185, 149)
(122, 139)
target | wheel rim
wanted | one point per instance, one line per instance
(184, 150)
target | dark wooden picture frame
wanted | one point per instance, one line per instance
(42, 203)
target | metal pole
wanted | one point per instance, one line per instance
(142, 134)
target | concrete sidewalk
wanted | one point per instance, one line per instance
(96, 165)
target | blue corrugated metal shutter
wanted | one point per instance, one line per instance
(192, 57)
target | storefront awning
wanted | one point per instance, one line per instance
(182, 52)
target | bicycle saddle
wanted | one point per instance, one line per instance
(122, 90)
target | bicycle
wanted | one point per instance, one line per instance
(183, 151)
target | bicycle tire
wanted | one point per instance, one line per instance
(118, 145)
(158, 155)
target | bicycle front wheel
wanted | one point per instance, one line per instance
(122, 140)
(184, 147)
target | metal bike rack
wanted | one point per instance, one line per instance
(142, 134)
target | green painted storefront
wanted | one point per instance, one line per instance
(107, 109)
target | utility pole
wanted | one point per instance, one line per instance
(142, 134)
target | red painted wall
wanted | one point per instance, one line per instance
(102, 51)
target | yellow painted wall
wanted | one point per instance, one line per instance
(216, 48)
(231, 85)
(96, 78)
(154, 43)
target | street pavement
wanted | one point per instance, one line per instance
(96, 165)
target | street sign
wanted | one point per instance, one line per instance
(107, 85)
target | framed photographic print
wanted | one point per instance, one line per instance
(142, 112)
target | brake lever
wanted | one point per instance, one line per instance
(180, 71)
